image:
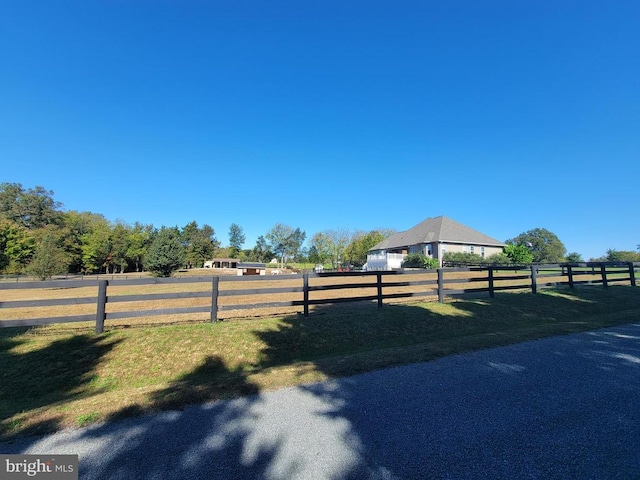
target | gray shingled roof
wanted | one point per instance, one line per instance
(437, 229)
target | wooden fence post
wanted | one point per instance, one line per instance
(492, 293)
(570, 275)
(632, 274)
(305, 294)
(440, 285)
(534, 279)
(215, 283)
(101, 307)
(379, 277)
(603, 271)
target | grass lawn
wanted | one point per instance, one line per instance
(59, 376)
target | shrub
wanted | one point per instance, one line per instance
(460, 257)
(474, 259)
(498, 259)
(519, 254)
(419, 260)
(574, 257)
(622, 256)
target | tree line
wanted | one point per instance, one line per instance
(38, 238)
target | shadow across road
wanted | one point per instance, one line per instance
(562, 407)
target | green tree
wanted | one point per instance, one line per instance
(622, 256)
(120, 238)
(17, 246)
(338, 240)
(50, 258)
(33, 209)
(78, 229)
(201, 249)
(519, 254)
(166, 254)
(278, 238)
(313, 256)
(330, 245)
(574, 257)
(543, 244)
(261, 252)
(295, 242)
(320, 250)
(302, 256)
(76, 225)
(236, 239)
(140, 238)
(285, 241)
(361, 242)
(96, 244)
(199, 243)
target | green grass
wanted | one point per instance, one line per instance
(87, 419)
(55, 377)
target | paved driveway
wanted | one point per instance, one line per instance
(566, 407)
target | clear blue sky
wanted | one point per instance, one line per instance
(503, 115)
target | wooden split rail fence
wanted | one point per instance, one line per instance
(380, 286)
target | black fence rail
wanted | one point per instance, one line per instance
(213, 295)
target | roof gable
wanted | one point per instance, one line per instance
(437, 229)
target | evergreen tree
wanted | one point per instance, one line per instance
(236, 239)
(166, 254)
(261, 252)
(199, 243)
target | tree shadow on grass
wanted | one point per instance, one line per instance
(56, 373)
(473, 416)
(212, 380)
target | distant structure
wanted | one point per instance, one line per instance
(432, 237)
(246, 268)
(222, 263)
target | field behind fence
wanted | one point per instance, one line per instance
(128, 301)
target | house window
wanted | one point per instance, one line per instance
(473, 249)
(482, 251)
(465, 249)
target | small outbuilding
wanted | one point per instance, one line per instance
(246, 268)
(222, 263)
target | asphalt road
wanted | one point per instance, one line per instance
(565, 408)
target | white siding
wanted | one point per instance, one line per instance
(384, 261)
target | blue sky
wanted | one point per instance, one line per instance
(503, 115)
